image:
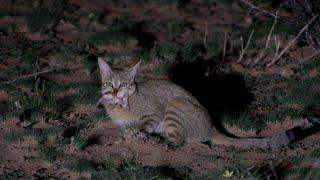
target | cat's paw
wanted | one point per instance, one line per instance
(149, 128)
(173, 145)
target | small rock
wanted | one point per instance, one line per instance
(17, 105)
(4, 96)
(313, 73)
(238, 68)
(287, 73)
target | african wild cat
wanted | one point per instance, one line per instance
(164, 108)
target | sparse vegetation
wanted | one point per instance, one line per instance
(51, 126)
(22, 135)
(109, 37)
(48, 153)
(45, 17)
(120, 31)
(244, 121)
(81, 165)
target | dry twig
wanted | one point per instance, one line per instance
(224, 46)
(205, 34)
(243, 50)
(28, 76)
(291, 42)
(277, 43)
(253, 7)
(262, 53)
(310, 57)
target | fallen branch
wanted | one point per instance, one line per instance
(291, 42)
(27, 76)
(252, 6)
(310, 57)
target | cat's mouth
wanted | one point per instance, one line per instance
(111, 100)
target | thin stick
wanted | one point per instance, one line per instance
(224, 46)
(28, 76)
(309, 57)
(243, 50)
(291, 42)
(262, 53)
(205, 34)
(273, 171)
(277, 43)
(241, 42)
(253, 7)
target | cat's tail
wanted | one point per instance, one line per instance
(307, 127)
(272, 142)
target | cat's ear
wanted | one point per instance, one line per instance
(133, 70)
(105, 69)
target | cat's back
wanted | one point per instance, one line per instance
(163, 89)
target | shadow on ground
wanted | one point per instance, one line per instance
(219, 93)
(223, 93)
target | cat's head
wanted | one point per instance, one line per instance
(117, 82)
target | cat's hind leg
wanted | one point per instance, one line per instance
(186, 121)
(174, 130)
(150, 122)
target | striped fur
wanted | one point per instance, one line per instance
(162, 107)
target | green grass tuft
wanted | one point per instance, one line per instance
(48, 153)
(8, 110)
(190, 52)
(39, 19)
(215, 45)
(304, 92)
(281, 114)
(79, 142)
(226, 2)
(109, 37)
(262, 29)
(244, 121)
(165, 52)
(175, 28)
(170, 53)
(81, 165)
(306, 67)
(315, 153)
(20, 135)
(120, 31)
(44, 18)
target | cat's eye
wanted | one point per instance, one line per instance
(108, 84)
(124, 84)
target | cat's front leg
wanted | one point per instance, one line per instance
(150, 122)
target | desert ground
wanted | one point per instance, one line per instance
(253, 65)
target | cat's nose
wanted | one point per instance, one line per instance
(115, 91)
